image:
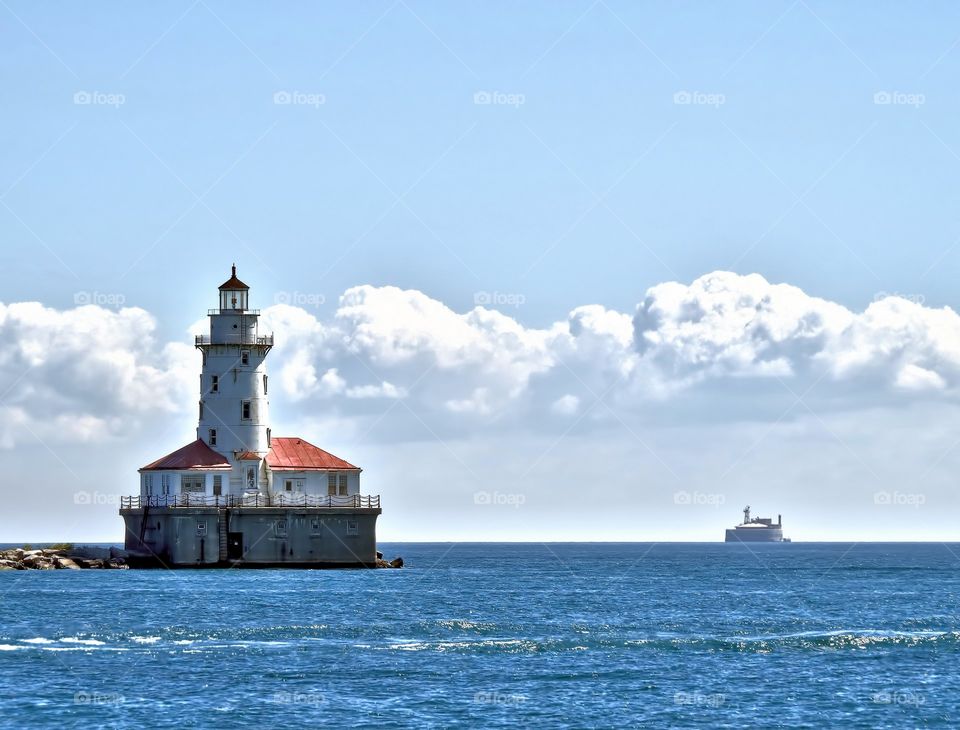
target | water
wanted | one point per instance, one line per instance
(559, 635)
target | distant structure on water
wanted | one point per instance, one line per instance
(239, 496)
(758, 529)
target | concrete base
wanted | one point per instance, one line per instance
(251, 537)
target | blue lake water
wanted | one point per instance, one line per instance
(498, 635)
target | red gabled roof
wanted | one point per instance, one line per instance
(192, 456)
(296, 454)
(248, 456)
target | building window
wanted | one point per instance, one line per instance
(190, 484)
(212, 437)
(217, 485)
(288, 485)
(201, 529)
(299, 485)
(148, 482)
(245, 410)
(332, 485)
(352, 527)
(165, 484)
(264, 384)
(315, 526)
(343, 485)
(215, 384)
(280, 527)
(244, 357)
(251, 478)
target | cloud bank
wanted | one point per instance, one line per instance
(89, 373)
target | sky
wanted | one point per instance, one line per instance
(548, 271)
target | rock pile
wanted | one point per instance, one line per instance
(62, 559)
(395, 563)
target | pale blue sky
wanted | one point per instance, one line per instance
(498, 190)
(592, 184)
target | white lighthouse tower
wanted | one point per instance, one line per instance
(234, 407)
(237, 495)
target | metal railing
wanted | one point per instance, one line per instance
(237, 339)
(233, 311)
(355, 501)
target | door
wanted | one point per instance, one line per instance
(234, 546)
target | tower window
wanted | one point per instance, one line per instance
(244, 357)
(268, 438)
(215, 384)
(201, 410)
(245, 410)
(264, 384)
(212, 437)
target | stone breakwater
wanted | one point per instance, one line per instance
(63, 559)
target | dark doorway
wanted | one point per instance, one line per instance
(234, 545)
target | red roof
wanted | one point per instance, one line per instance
(233, 282)
(192, 456)
(295, 454)
(248, 456)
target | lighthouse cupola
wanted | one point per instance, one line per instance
(233, 292)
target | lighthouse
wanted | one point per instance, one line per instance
(234, 408)
(237, 495)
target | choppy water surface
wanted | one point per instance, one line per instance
(637, 635)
